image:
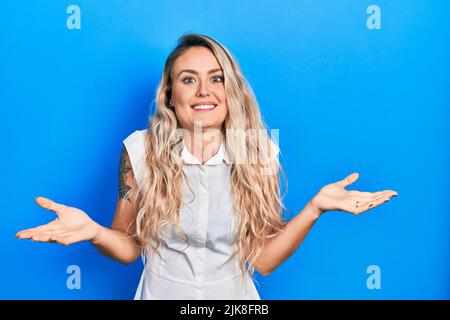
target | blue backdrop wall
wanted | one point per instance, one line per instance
(352, 86)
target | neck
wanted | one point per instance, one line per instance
(203, 144)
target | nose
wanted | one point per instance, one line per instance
(202, 89)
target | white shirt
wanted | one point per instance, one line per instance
(208, 268)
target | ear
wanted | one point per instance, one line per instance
(170, 104)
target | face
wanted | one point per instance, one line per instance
(198, 90)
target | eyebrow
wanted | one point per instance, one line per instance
(195, 72)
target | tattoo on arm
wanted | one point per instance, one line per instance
(123, 169)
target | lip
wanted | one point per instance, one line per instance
(202, 103)
(204, 110)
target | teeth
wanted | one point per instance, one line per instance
(205, 106)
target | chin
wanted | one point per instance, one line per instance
(210, 123)
(206, 126)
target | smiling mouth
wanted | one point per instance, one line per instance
(204, 107)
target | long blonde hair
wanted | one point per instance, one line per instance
(257, 201)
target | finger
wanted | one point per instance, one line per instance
(45, 237)
(372, 199)
(377, 195)
(41, 237)
(26, 235)
(64, 240)
(393, 193)
(49, 237)
(33, 230)
(378, 202)
(348, 180)
(360, 201)
(372, 204)
(49, 227)
(365, 194)
(49, 204)
(357, 193)
(389, 193)
(30, 234)
(55, 239)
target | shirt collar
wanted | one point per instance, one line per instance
(220, 156)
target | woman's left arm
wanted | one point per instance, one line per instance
(331, 197)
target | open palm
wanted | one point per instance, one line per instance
(334, 196)
(71, 225)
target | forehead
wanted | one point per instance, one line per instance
(197, 58)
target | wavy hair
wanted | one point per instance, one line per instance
(257, 201)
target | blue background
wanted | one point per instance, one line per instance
(345, 99)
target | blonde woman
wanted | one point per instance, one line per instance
(199, 194)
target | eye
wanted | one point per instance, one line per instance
(186, 79)
(215, 79)
(221, 78)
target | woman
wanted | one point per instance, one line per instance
(192, 199)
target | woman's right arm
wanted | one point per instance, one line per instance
(73, 225)
(118, 242)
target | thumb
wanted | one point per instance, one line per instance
(348, 180)
(49, 204)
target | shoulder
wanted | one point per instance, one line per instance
(135, 146)
(137, 137)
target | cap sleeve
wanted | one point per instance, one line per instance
(135, 145)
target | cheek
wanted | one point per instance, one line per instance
(181, 95)
(225, 108)
(225, 103)
(183, 115)
(224, 112)
(223, 99)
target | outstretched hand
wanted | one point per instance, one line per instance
(71, 225)
(334, 196)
